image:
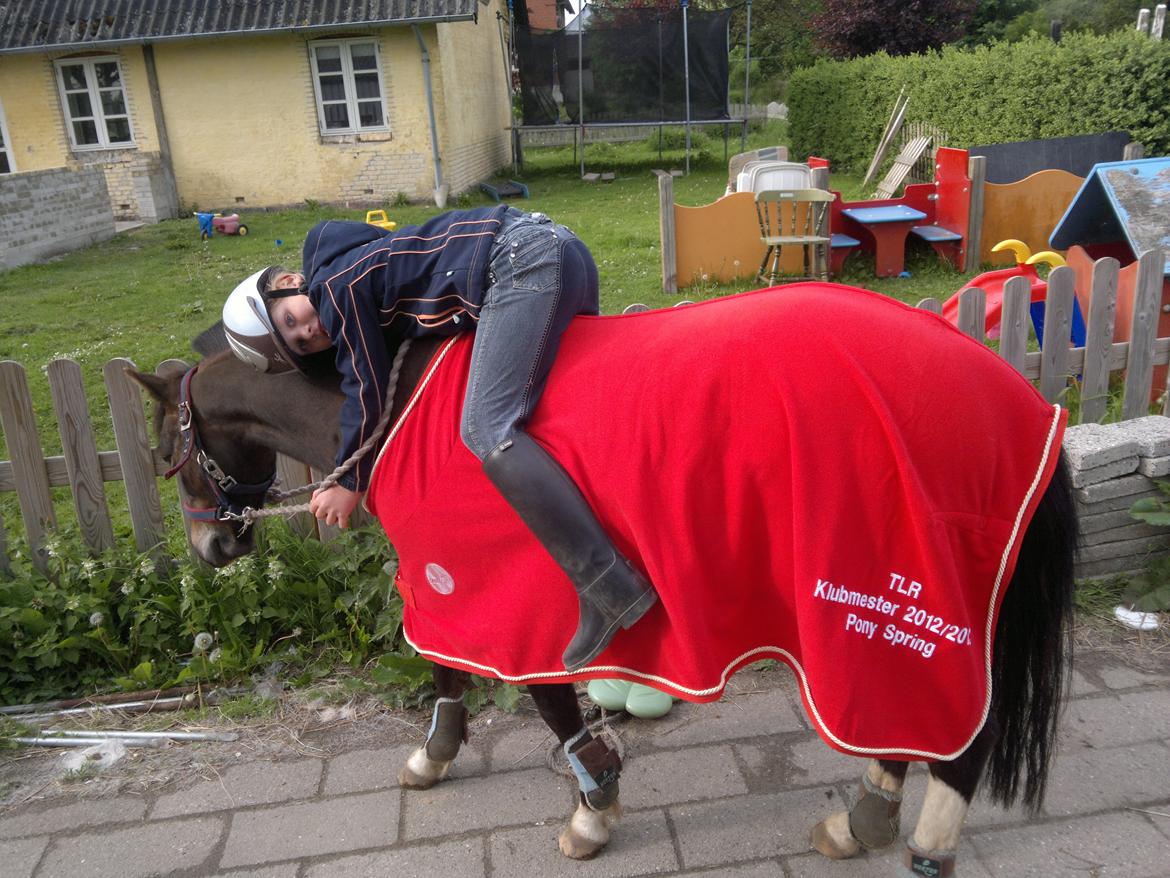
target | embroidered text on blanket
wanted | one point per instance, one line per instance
(839, 594)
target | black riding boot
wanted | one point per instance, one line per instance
(611, 592)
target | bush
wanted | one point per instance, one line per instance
(121, 621)
(991, 94)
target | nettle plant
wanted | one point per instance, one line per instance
(125, 620)
(1150, 590)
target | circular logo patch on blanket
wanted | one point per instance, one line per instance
(440, 579)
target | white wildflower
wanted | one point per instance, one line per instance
(275, 569)
(145, 568)
(214, 655)
(187, 582)
(96, 619)
(128, 588)
(88, 568)
(202, 641)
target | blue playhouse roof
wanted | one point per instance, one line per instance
(1120, 201)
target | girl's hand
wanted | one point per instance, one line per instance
(334, 504)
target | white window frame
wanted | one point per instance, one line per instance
(347, 74)
(99, 117)
(6, 144)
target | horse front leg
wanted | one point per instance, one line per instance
(430, 763)
(596, 766)
(873, 822)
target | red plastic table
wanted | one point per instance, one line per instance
(888, 225)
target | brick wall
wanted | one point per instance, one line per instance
(46, 213)
(140, 184)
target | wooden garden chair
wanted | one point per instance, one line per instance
(794, 218)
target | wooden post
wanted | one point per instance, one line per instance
(1013, 322)
(166, 369)
(294, 474)
(1058, 309)
(1143, 22)
(327, 532)
(977, 173)
(666, 233)
(1159, 21)
(28, 461)
(1139, 372)
(973, 313)
(1133, 151)
(81, 459)
(136, 457)
(1099, 340)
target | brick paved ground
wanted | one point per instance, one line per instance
(715, 790)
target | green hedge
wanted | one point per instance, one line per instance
(991, 94)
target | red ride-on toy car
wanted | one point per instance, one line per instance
(210, 223)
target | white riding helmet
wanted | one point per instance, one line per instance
(249, 329)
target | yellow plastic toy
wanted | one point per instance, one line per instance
(378, 218)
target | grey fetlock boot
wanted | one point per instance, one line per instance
(611, 592)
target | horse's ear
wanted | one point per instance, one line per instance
(161, 389)
(211, 340)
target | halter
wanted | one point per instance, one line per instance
(228, 493)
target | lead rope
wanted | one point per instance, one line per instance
(250, 514)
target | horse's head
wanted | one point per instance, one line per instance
(210, 445)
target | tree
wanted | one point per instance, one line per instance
(848, 28)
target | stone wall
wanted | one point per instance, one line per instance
(46, 213)
(1112, 467)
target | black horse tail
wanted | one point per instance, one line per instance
(1032, 651)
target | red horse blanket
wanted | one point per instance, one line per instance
(815, 473)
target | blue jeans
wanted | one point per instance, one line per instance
(540, 276)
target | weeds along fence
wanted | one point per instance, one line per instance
(84, 470)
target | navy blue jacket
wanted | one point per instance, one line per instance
(417, 280)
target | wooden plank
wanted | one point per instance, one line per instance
(58, 473)
(1014, 322)
(934, 306)
(28, 461)
(80, 452)
(893, 126)
(294, 474)
(1139, 373)
(1133, 151)
(1058, 309)
(5, 561)
(977, 173)
(910, 153)
(1099, 340)
(136, 455)
(666, 233)
(166, 369)
(973, 313)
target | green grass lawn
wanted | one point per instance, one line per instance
(145, 293)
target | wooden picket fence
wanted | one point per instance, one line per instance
(84, 470)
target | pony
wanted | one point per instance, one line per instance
(220, 427)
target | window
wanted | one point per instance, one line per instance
(347, 78)
(7, 165)
(94, 102)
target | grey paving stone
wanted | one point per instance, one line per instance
(284, 870)
(460, 859)
(639, 845)
(1082, 685)
(377, 769)
(1126, 486)
(1154, 467)
(747, 828)
(20, 856)
(658, 779)
(1112, 721)
(876, 863)
(765, 869)
(739, 716)
(816, 762)
(1085, 477)
(145, 850)
(305, 829)
(1137, 549)
(89, 812)
(481, 803)
(1151, 433)
(1091, 446)
(256, 783)
(1126, 530)
(526, 747)
(1085, 781)
(1104, 846)
(1125, 677)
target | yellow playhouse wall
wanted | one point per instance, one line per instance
(721, 241)
(472, 92)
(1027, 210)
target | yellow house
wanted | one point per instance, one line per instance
(236, 104)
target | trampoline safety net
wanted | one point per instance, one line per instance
(626, 65)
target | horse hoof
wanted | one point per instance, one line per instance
(421, 772)
(587, 832)
(832, 838)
